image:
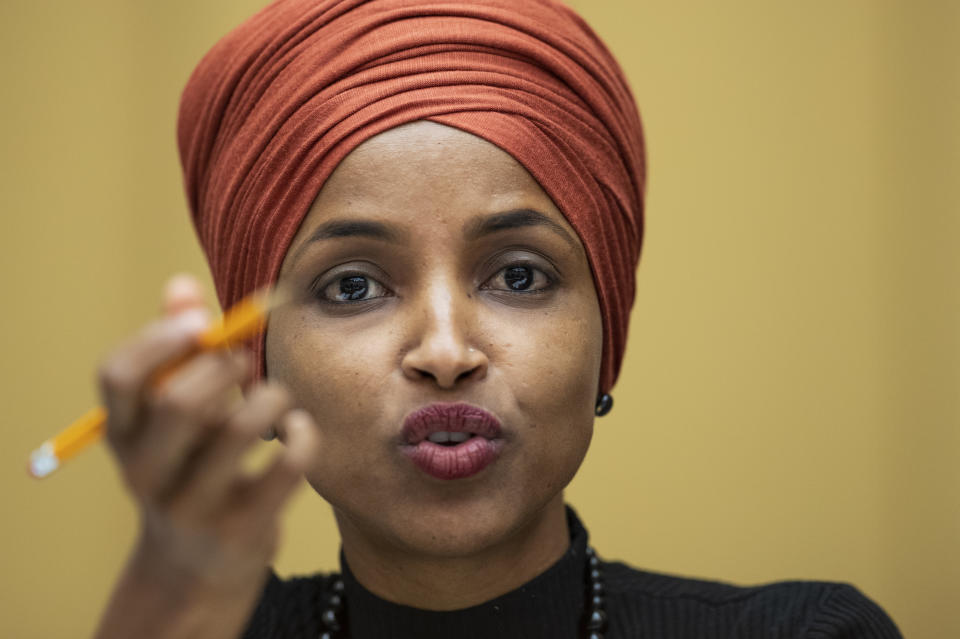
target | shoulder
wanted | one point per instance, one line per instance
(642, 602)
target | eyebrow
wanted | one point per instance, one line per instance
(475, 229)
(351, 228)
(517, 218)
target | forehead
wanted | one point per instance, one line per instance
(430, 182)
(424, 164)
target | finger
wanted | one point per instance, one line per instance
(217, 469)
(267, 494)
(182, 292)
(183, 415)
(124, 374)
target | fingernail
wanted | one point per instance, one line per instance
(194, 320)
(180, 286)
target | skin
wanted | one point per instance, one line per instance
(440, 322)
(442, 317)
(207, 528)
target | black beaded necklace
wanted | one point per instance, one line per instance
(593, 623)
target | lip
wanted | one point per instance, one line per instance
(451, 462)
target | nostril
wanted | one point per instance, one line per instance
(425, 374)
(466, 374)
(445, 368)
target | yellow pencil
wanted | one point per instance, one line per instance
(240, 322)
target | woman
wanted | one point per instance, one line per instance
(453, 194)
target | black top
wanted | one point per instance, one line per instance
(639, 604)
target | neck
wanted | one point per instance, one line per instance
(429, 582)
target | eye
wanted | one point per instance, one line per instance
(519, 278)
(350, 287)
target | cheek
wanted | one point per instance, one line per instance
(553, 379)
(551, 364)
(339, 377)
(555, 359)
(334, 373)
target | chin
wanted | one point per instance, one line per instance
(445, 529)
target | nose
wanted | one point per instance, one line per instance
(440, 347)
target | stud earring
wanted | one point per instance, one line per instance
(604, 404)
(269, 434)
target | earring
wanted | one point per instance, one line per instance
(604, 404)
(269, 435)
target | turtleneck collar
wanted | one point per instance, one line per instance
(549, 605)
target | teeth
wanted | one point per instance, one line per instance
(442, 437)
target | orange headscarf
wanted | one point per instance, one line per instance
(276, 104)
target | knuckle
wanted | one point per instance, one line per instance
(215, 409)
(172, 402)
(281, 396)
(244, 427)
(182, 403)
(115, 375)
(221, 364)
(265, 406)
(298, 424)
(240, 426)
(273, 400)
(220, 414)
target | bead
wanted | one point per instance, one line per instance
(604, 404)
(598, 619)
(595, 622)
(329, 619)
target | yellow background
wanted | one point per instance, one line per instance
(789, 405)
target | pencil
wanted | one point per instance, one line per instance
(241, 321)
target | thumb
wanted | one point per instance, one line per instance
(182, 292)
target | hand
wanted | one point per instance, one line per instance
(208, 529)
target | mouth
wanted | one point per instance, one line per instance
(451, 441)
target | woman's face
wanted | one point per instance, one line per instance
(433, 271)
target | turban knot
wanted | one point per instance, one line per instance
(276, 104)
